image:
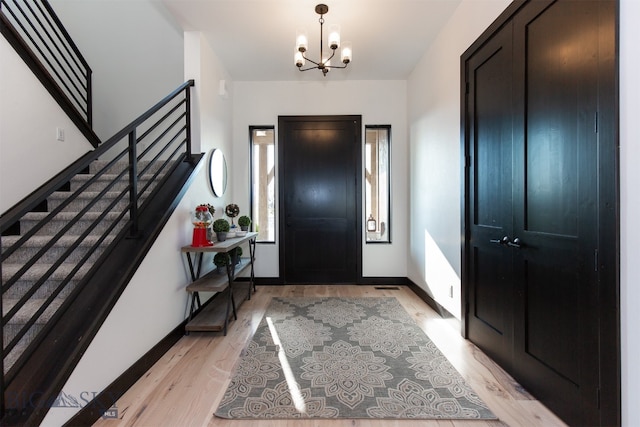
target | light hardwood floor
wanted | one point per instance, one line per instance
(184, 387)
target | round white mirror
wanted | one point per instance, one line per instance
(217, 172)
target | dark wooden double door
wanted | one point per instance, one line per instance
(540, 246)
(320, 170)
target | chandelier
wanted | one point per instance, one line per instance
(324, 63)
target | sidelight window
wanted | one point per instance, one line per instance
(377, 158)
(263, 182)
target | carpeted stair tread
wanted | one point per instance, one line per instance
(39, 241)
(23, 286)
(118, 167)
(31, 306)
(61, 220)
(21, 318)
(105, 179)
(68, 216)
(32, 246)
(38, 270)
(85, 195)
(84, 199)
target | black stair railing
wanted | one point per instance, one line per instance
(36, 33)
(151, 147)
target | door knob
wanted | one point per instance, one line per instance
(504, 241)
(515, 243)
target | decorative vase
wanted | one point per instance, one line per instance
(221, 236)
(244, 227)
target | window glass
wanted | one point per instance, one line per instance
(377, 157)
(263, 187)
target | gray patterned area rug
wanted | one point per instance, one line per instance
(345, 358)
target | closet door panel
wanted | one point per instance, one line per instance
(490, 321)
(555, 198)
(551, 337)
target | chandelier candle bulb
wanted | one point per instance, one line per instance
(299, 59)
(334, 36)
(301, 41)
(346, 52)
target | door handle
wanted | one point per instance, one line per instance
(504, 241)
(516, 243)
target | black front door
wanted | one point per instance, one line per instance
(538, 167)
(319, 199)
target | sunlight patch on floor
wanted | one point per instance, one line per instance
(296, 396)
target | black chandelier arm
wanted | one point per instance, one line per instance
(313, 67)
(332, 55)
(310, 60)
(337, 66)
(317, 66)
(319, 63)
(307, 69)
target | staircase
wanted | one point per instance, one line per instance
(75, 251)
(69, 249)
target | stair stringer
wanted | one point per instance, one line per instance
(46, 373)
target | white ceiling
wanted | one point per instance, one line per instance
(255, 39)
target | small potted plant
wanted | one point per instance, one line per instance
(220, 261)
(221, 228)
(238, 254)
(232, 210)
(244, 222)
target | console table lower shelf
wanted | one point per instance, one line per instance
(217, 312)
(211, 318)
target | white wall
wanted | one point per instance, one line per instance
(630, 207)
(213, 129)
(30, 154)
(212, 111)
(434, 128)
(379, 102)
(155, 301)
(135, 51)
